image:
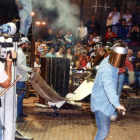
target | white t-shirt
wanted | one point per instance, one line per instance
(96, 39)
(3, 74)
(37, 65)
(88, 65)
(58, 55)
(127, 17)
(83, 31)
(116, 17)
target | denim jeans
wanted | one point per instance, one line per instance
(137, 79)
(20, 84)
(103, 124)
(0, 131)
(115, 30)
(25, 22)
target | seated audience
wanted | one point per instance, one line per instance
(130, 56)
(91, 63)
(92, 25)
(45, 50)
(136, 65)
(109, 34)
(123, 30)
(84, 58)
(39, 45)
(60, 39)
(59, 53)
(50, 39)
(78, 48)
(95, 39)
(50, 54)
(81, 33)
(114, 16)
(78, 68)
(135, 36)
(69, 39)
(37, 62)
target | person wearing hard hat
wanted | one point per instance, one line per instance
(104, 98)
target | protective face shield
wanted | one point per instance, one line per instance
(98, 45)
(108, 47)
(118, 55)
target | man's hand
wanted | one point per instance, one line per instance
(14, 55)
(121, 107)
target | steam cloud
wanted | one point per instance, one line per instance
(65, 17)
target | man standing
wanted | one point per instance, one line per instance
(22, 69)
(136, 16)
(92, 25)
(104, 98)
(25, 9)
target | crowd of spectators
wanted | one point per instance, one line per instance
(79, 46)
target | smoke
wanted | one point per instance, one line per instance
(59, 14)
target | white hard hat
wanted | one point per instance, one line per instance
(23, 40)
(13, 28)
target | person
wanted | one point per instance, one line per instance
(136, 16)
(123, 30)
(61, 40)
(22, 69)
(100, 55)
(45, 50)
(69, 39)
(135, 36)
(95, 39)
(50, 54)
(84, 58)
(78, 68)
(81, 33)
(130, 56)
(92, 25)
(91, 63)
(128, 17)
(104, 98)
(37, 61)
(115, 16)
(110, 35)
(39, 45)
(59, 53)
(136, 65)
(49, 39)
(6, 76)
(78, 48)
(25, 17)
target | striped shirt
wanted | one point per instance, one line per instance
(127, 64)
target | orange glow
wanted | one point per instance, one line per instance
(43, 23)
(38, 22)
(32, 13)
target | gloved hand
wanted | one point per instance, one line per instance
(89, 76)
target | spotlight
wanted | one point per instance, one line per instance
(32, 13)
(38, 22)
(43, 23)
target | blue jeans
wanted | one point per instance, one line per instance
(20, 97)
(103, 124)
(137, 79)
(120, 83)
(25, 21)
(0, 131)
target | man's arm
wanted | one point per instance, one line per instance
(7, 74)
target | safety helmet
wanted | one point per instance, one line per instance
(23, 40)
(98, 45)
(118, 54)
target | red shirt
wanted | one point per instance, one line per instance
(83, 61)
(107, 35)
(127, 64)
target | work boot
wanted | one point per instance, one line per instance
(18, 120)
(23, 115)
